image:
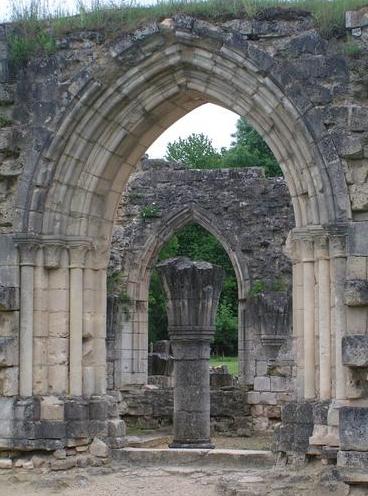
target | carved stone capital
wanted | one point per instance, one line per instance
(77, 255)
(28, 252)
(52, 255)
(322, 247)
(307, 249)
(338, 246)
(98, 258)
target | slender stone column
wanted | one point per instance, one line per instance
(324, 317)
(77, 260)
(338, 254)
(27, 262)
(308, 321)
(295, 255)
(193, 290)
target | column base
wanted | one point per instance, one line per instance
(201, 444)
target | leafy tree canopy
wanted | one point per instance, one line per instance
(196, 152)
(247, 150)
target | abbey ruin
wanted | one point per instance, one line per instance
(80, 122)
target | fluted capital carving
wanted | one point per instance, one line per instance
(193, 290)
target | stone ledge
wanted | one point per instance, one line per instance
(222, 457)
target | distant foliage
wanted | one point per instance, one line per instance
(196, 243)
(247, 150)
(250, 150)
(196, 152)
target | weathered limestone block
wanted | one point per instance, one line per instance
(356, 292)
(99, 448)
(220, 378)
(356, 18)
(9, 381)
(353, 428)
(52, 408)
(9, 355)
(353, 459)
(296, 428)
(9, 299)
(355, 351)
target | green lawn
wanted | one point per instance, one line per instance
(231, 363)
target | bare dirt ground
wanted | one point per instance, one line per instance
(124, 480)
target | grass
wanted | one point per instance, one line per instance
(232, 363)
(38, 27)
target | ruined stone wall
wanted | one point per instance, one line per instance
(249, 214)
(80, 120)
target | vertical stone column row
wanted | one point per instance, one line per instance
(54, 323)
(318, 295)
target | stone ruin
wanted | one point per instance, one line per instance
(78, 123)
(181, 196)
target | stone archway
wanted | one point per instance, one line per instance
(251, 219)
(94, 127)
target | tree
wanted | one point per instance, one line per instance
(196, 152)
(195, 242)
(250, 150)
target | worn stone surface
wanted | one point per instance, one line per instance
(355, 351)
(99, 448)
(356, 293)
(353, 428)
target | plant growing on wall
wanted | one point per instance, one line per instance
(150, 212)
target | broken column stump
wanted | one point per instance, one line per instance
(193, 290)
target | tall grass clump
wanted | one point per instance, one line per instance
(37, 25)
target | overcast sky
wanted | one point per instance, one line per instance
(212, 120)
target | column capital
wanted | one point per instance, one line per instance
(193, 290)
(322, 247)
(307, 250)
(338, 246)
(98, 258)
(28, 252)
(52, 251)
(77, 255)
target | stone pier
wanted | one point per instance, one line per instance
(193, 290)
